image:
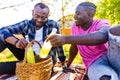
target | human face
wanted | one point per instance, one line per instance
(40, 16)
(81, 16)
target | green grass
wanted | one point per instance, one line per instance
(77, 60)
(6, 55)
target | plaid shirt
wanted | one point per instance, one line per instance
(27, 27)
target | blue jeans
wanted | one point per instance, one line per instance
(100, 68)
(114, 52)
(108, 64)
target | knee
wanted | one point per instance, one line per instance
(105, 77)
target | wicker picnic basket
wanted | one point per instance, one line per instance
(41, 70)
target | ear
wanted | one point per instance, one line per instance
(32, 12)
(91, 15)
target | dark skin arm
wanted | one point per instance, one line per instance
(95, 38)
(72, 54)
(21, 43)
(115, 30)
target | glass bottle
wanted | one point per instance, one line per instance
(47, 45)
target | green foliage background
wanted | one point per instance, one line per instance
(109, 9)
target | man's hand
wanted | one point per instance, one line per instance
(56, 40)
(67, 69)
(22, 43)
(19, 43)
(62, 63)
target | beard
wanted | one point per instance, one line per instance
(38, 26)
(80, 22)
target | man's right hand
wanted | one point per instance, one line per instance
(68, 69)
(56, 40)
(21, 43)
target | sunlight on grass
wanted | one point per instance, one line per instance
(77, 59)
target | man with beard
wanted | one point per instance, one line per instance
(89, 37)
(38, 28)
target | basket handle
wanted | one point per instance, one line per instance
(26, 49)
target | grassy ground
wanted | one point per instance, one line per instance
(77, 59)
(6, 55)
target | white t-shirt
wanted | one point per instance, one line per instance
(39, 38)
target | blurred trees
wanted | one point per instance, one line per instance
(109, 9)
(106, 9)
(62, 11)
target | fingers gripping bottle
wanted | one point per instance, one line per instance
(47, 46)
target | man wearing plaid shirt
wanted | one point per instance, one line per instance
(38, 28)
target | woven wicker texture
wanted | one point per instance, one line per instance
(41, 70)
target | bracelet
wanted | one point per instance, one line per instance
(16, 42)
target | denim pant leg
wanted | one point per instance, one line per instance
(100, 68)
(114, 52)
(9, 67)
(114, 56)
(53, 54)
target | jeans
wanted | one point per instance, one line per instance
(108, 64)
(114, 52)
(100, 68)
(9, 67)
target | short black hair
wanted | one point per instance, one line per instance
(88, 4)
(41, 5)
(91, 7)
